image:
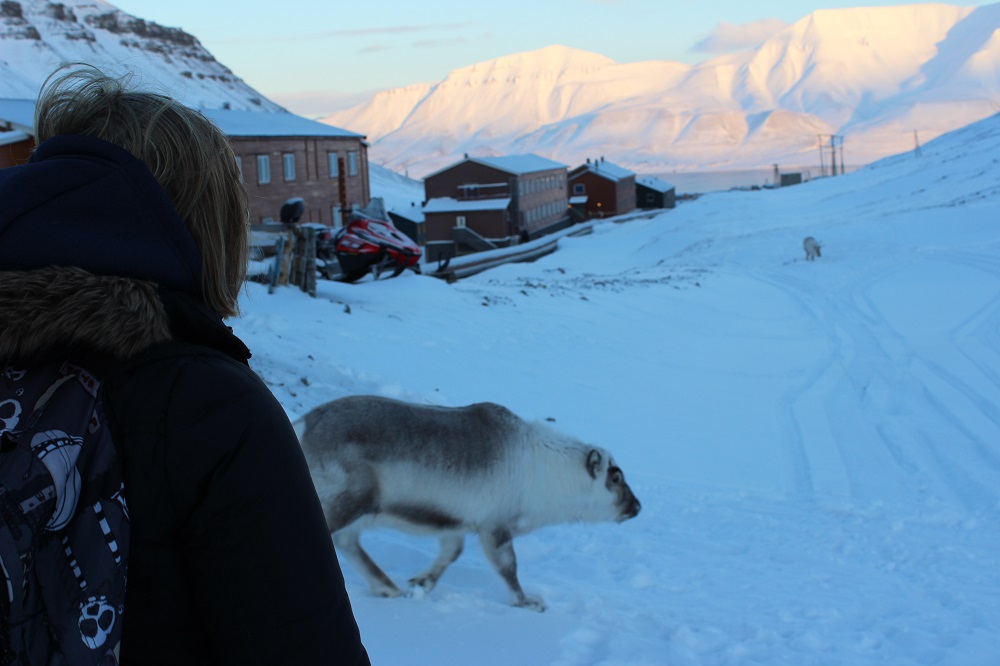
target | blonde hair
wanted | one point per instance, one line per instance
(188, 155)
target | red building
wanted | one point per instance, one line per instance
(609, 188)
(282, 156)
(17, 120)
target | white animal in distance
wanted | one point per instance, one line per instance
(812, 248)
(448, 472)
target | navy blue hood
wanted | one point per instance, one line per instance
(81, 201)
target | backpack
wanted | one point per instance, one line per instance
(64, 527)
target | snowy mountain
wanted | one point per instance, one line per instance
(816, 445)
(874, 75)
(36, 36)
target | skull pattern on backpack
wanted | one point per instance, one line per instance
(63, 512)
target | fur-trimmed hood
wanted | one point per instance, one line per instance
(69, 310)
(81, 201)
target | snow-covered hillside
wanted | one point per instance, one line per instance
(36, 36)
(816, 444)
(874, 75)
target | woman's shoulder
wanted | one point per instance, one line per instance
(178, 383)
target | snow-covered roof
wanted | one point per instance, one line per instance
(578, 199)
(413, 213)
(18, 113)
(260, 123)
(606, 169)
(517, 165)
(7, 138)
(450, 205)
(520, 164)
(654, 183)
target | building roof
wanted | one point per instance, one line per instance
(261, 123)
(654, 183)
(517, 165)
(578, 199)
(450, 205)
(520, 164)
(605, 169)
(13, 136)
(18, 113)
(412, 213)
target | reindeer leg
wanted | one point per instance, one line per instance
(498, 545)
(348, 542)
(451, 548)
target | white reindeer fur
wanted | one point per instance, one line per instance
(811, 247)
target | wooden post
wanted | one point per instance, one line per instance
(295, 262)
(275, 271)
(285, 266)
(309, 262)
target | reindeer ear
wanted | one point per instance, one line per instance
(593, 462)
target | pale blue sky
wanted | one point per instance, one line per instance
(312, 56)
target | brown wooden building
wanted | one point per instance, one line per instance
(504, 199)
(609, 188)
(282, 156)
(15, 147)
(16, 131)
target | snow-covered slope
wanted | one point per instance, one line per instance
(816, 444)
(874, 75)
(36, 36)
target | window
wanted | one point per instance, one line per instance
(579, 188)
(263, 169)
(289, 163)
(336, 215)
(460, 221)
(352, 163)
(239, 166)
(333, 160)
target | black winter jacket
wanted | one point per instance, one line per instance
(231, 561)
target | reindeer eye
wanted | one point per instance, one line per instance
(616, 476)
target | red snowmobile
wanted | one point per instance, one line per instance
(365, 244)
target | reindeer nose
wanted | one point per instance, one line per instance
(633, 510)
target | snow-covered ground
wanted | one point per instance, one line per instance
(816, 444)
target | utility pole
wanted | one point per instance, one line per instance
(822, 162)
(916, 143)
(835, 141)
